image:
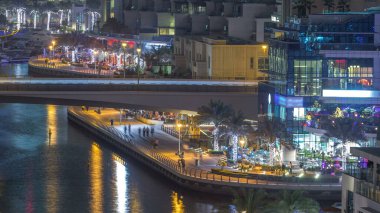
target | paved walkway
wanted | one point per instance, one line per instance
(57, 64)
(168, 145)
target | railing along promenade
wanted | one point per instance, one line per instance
(190, 177)
(59, 68)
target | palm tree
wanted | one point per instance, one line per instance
(345, 129)
(303, 7)
(249, 201)
(343, 5)
(272, 128)
(330, 4)
(295, 201)
(235, 128)
(215, 113)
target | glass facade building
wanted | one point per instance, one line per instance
(335, 52)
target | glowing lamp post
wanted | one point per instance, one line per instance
(53, 47)
(179, 139)
(124, 45)
(51, 50)
(138, 65)
(96, 58)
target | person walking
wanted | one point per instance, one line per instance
(144, 131)
(139, 130)
(129, 128)
(111, 121)
(152, 130)
(125, 130)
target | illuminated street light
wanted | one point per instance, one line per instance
(96, 58)
(51, 49)
(124, 45)
(179, 139)
(138, 50)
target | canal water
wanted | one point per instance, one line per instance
(71, 171)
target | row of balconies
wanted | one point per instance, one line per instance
(211, 8)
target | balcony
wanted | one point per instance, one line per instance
(367, 190)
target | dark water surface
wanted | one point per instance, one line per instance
(74, 172)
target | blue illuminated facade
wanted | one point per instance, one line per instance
(324, 58)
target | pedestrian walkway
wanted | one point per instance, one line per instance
(164, 160)
(57, 64)
(168, 145)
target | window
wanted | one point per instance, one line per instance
(307, 77)
(263, 63)
(251, 64)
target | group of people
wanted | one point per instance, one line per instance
(129, 129)
(146, 131)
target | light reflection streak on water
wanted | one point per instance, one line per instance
(121, 185)
(177, 203)
(52, 162)
(96, 181)
(52, 124)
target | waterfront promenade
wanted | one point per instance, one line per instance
(66, 68)
(165, 161)
(168, 145)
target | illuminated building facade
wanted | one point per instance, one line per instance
(148, 18)
(220, 57)
(329, 58)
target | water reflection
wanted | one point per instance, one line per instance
(96, 178)
(75, 174)
(121, 185)
(51, 123)
(177, 203)
(52, 160)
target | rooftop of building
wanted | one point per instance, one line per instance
(371, 153)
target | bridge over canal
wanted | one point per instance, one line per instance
(166, 95)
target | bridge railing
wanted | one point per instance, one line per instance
(193, 172)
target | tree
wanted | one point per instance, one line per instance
(236, 127)
(303, 7)
(345, 129)
(295, 201)
(270, 129)
(343, 5)
(330, 4)
(249, 201)
(215, 113)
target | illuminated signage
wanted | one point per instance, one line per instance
(351, 93)
(288, 102)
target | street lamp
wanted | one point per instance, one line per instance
(53, 44)
(124, 45)
(138, 65)
(179, 139)
(51, 49)
(96, 59)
